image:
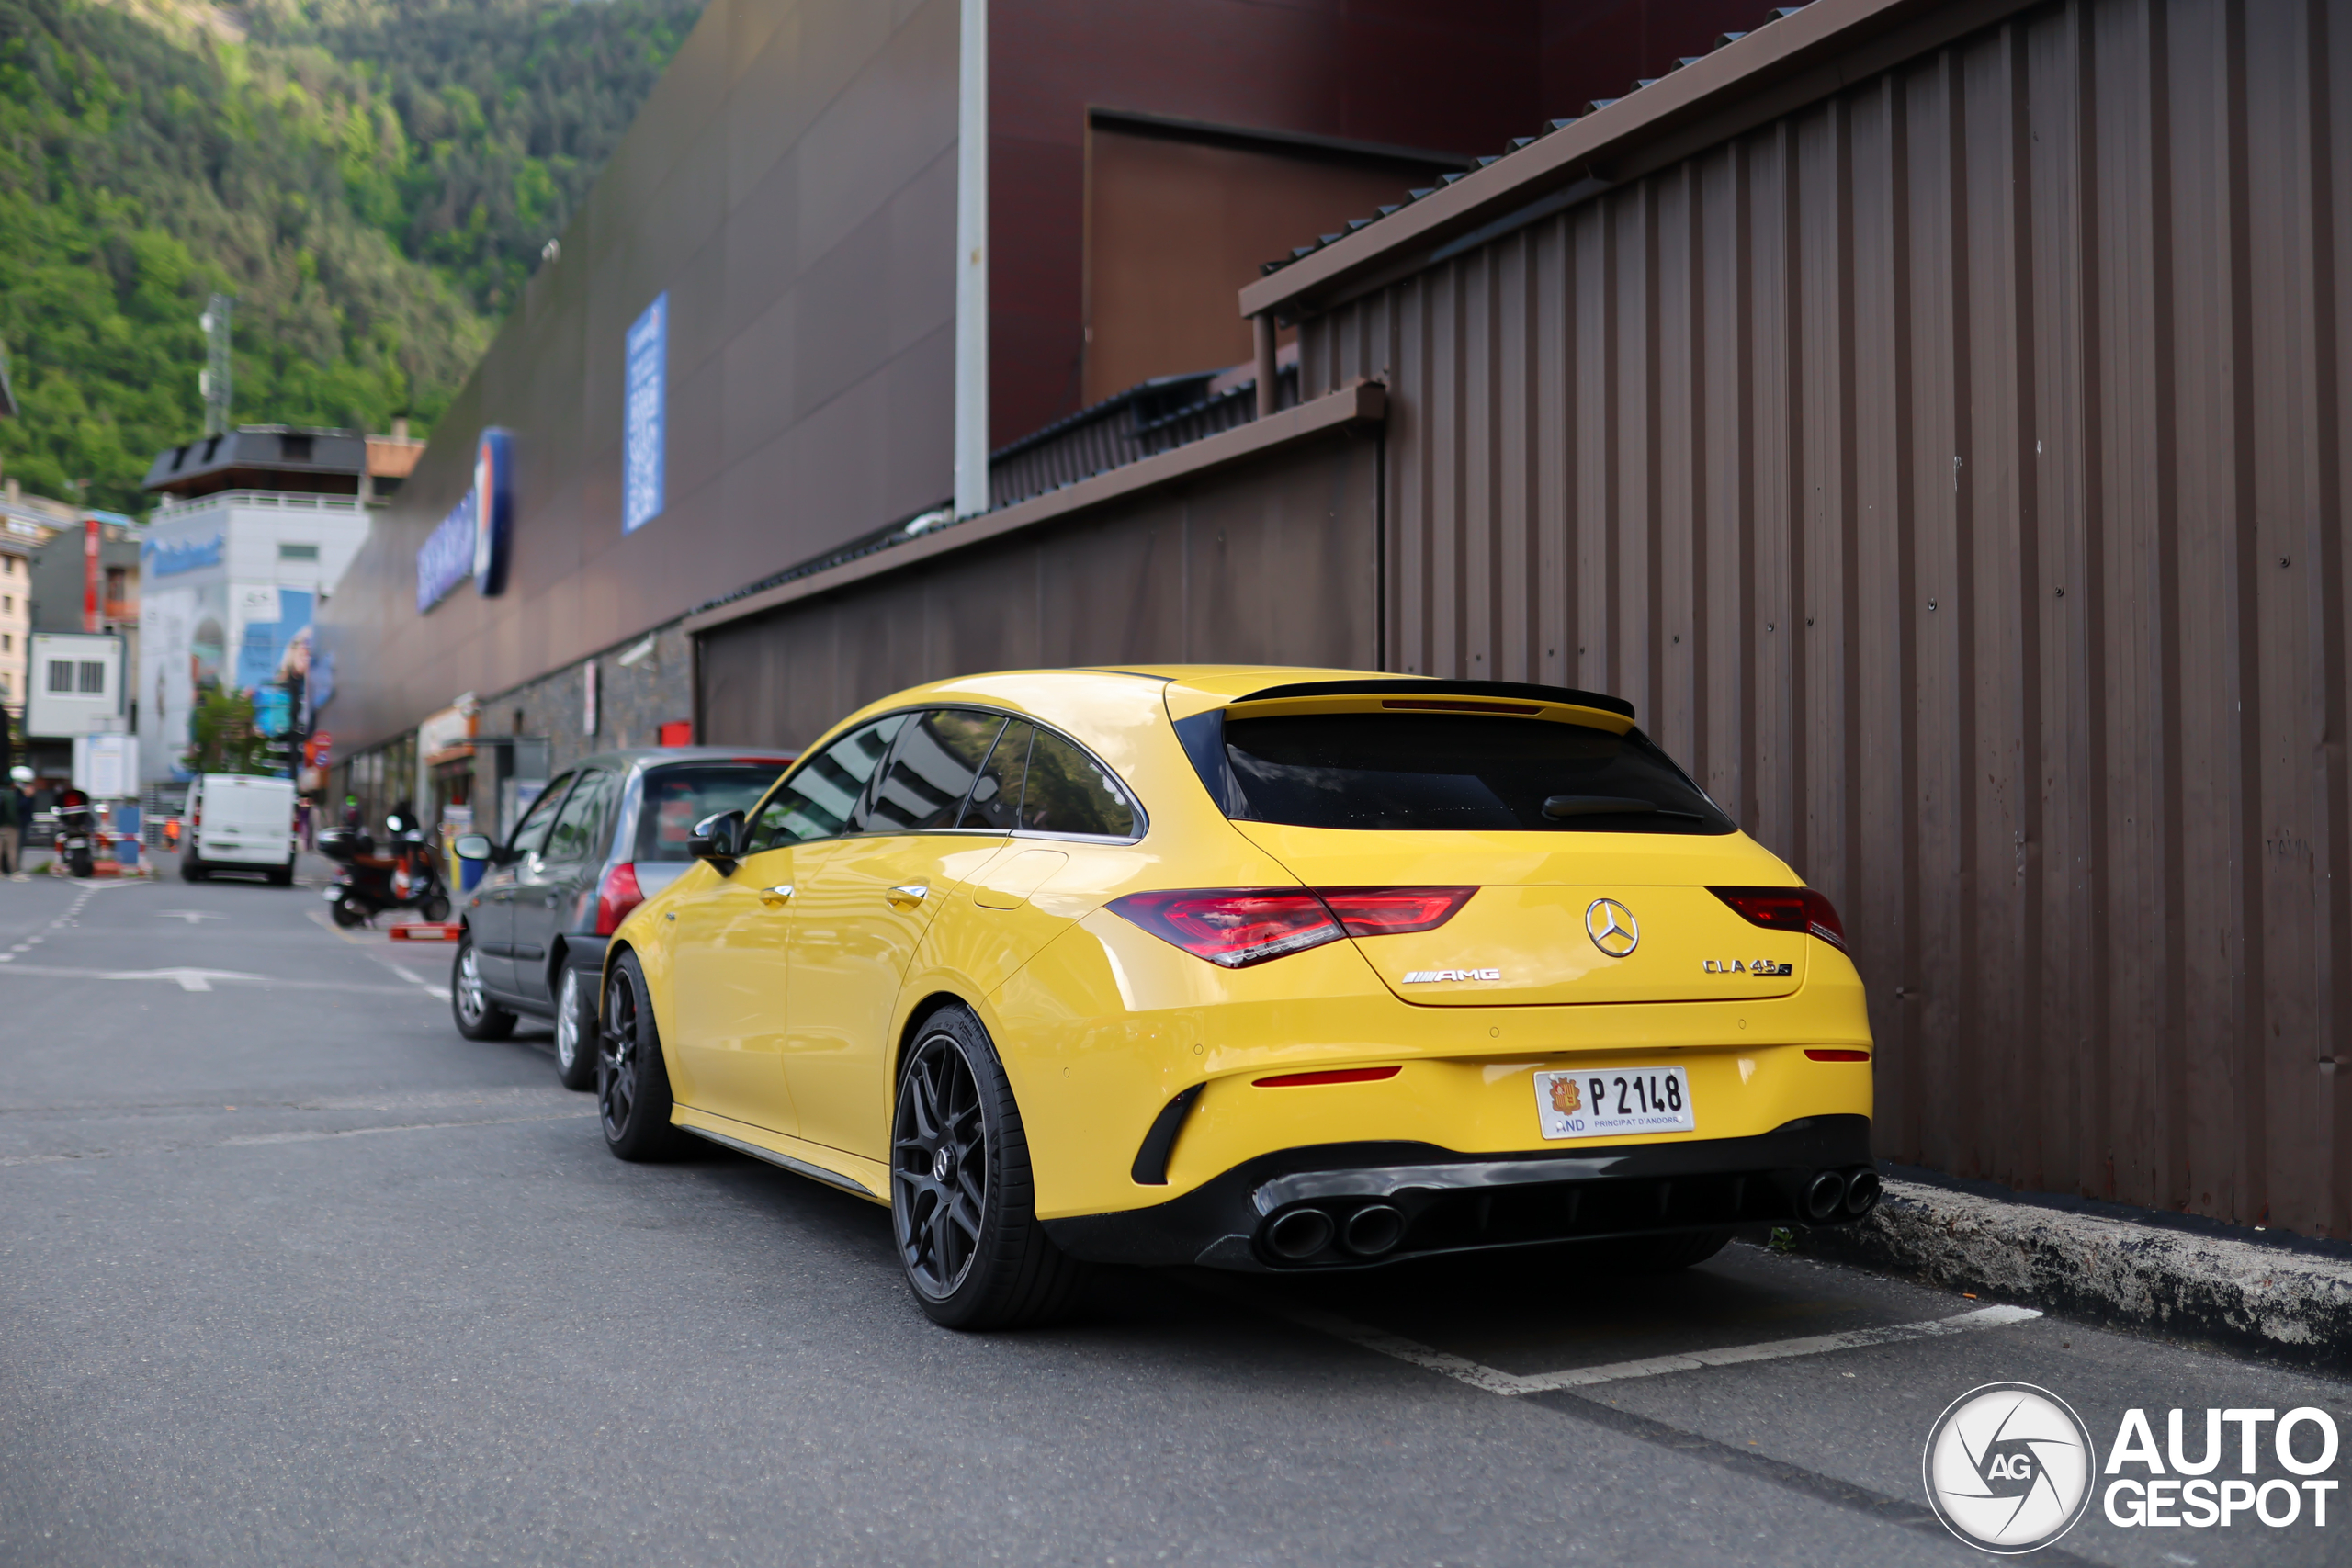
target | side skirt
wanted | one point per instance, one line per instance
(849, 1173)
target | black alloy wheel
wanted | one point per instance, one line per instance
(632, 1084)
(963, 1212)
(939, 1168)
(478, 1017)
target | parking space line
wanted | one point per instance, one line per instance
(1512, 1385)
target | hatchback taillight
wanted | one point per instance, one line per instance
(617, 897)
(1799, 909)
(1235, 927)
(1392, 911)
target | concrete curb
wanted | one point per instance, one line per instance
(2292, 1304)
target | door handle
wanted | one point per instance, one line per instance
(909, 896)
(777, 896)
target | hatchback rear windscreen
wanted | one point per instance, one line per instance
(677, 799)
(1459, 772)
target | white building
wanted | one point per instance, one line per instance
(228, 580)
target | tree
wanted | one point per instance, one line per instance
(226, 739)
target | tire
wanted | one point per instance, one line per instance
(282, 875)
(575, 1032)
(963, 1210)
(348, 914)
(77, 864)
(478, 1017)
(191, 868)
(632, 1081)
(435, 909)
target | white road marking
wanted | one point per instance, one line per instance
(181, 977)
(254, 1139)
(1495, 1380)
(192, 916)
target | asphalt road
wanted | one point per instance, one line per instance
(291, 1274)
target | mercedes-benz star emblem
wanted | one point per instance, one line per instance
(1612, 927)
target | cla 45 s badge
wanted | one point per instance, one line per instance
(1746, 966)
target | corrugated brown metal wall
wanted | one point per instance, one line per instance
(1952, 472)
(1270, 561)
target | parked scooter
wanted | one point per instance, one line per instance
(402, 873)
(77, 832)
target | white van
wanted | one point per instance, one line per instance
(237, 823)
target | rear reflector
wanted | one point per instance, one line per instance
(1235, 927)
(1799, 909)
(1813, 1055)
(1338, 1075)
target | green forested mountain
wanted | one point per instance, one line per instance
(372, 179)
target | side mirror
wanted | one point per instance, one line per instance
(475, 846)
(719, 837)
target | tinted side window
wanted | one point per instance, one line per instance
(677, 799)
(1069, 792)
(932, 770)
(995, 794)
(822, 797)
(579, 832)
(531, 833)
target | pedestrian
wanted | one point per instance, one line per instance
(12, 835)
(302, 823)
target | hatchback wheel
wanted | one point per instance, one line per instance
(632, 1084)
(575, 1034)
(478, 1017)
(962, 1205)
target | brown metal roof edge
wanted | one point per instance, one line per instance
(1358, 402)
(1780, 67)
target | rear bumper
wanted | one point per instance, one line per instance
(241, 854)
(1443, 1202)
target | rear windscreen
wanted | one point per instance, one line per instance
(1458, 771)
(677, 799)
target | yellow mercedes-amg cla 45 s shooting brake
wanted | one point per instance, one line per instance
(1263, 969)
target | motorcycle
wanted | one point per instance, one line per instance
(406, 874)
(77, 833)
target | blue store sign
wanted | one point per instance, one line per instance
(476, 537)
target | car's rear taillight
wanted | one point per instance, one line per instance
(617, 897)
(1799, 909)
(1392, 911)
(1235, 927)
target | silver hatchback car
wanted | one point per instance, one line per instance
(607, 834)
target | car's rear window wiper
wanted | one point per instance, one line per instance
(1565, 806)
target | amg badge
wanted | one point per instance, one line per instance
(1427, 977)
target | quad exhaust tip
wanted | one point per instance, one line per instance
(1862, 1193)
(1371, 1230)
(1299, 1234)
(1824, 1197)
